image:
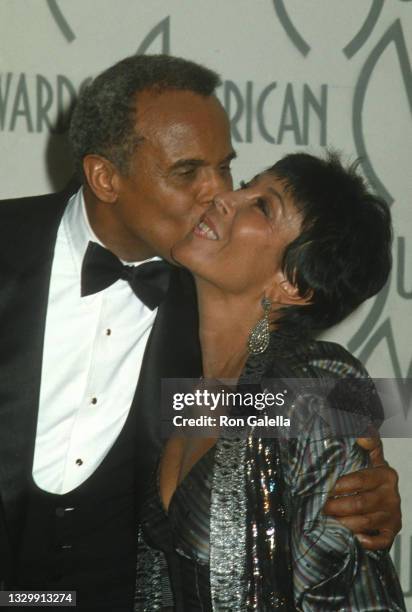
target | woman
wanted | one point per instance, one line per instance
(236, 523)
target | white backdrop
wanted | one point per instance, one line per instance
(297, 75)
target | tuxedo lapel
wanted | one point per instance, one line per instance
(25, 268)
(20, 364)
(173, 351)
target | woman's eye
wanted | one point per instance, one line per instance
(263, 205)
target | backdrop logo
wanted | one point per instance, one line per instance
(60, 20)
(384, 333)
(39, 103)
(353, 45)
(275, 112)
(394, 35)
(370, 334)
(162, 29)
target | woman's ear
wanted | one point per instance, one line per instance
(102, 177)
(283, 292)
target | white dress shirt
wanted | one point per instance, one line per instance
(93, 351)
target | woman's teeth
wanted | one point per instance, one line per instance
(202, 229)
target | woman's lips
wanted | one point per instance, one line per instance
(206, 229)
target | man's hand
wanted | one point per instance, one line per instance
(371, 503)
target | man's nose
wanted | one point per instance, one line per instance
(213, 184)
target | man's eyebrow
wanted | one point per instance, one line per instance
(197, 163)
(184, 163)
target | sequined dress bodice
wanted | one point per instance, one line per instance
(183, 535)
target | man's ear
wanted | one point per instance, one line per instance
(283, 292)
(102, 177)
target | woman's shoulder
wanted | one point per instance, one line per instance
(329, 372)
(333, 359)
(306, 357)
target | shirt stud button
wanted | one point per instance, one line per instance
(79, 462)
(94, 400)
(108, 332)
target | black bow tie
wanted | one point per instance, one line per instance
(101, 268)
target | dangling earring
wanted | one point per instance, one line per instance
(259, 336)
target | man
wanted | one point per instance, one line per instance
(78, 438)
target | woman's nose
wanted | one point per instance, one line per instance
(225, 203)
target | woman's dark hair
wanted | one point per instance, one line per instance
(103, 120)
(343, 254)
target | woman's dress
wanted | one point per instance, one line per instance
(245, 529)
(182, 534)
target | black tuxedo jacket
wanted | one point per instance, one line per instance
(28, 229)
